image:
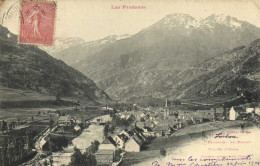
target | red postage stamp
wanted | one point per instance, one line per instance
(37, 22)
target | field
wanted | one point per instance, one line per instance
(23, 104)
(8, 94)
(205, 103)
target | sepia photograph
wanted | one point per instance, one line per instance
(129, 82)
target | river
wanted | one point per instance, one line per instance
(93, 132)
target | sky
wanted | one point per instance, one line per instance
(94, 19)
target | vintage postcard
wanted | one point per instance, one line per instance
(129, 82)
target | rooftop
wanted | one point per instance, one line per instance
(163, 127)
(105, 151)
(109, 140)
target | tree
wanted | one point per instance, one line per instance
(106, 129)
(163, 152)
(79, 159)
(76, 158)
(59, 113)
(51, 122)
(94, 146)
(131, 119)
(4, 126)
(117, 155)
(45, 163)
(89, 159)
(51, 161)
(248, 96)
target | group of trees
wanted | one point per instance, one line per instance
(124, 107)
(246, 97)
(86, 158)
(56, 143)
(15, 149)
(8, 126)
(108, 128)
(117, 122)
(82, 159)
(50, 163)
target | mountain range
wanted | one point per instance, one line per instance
(28, 68)
(177, 57)
(72, 50)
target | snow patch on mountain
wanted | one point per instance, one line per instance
(225, 20)
(62, 44)
(188, 22)
(107, 40)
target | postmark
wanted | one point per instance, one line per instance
(37, 22)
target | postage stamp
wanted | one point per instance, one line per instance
(37, 22)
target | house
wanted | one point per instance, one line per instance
(125, 133)
(234, 112)
(149, 124)
(104, 157)
(171, 122)
(189, 122)
(142, 115)
(140, 125)
(141, 136)
(168, 112)
(77, 128)
(134, 130)
(162, 130)
(148, 132)
(104, 119)
(133, 144)
(219, 113)
(120, 140)
(123, 116)
(219, 116)
(250, 110)
(66, 120)
(108, 144)
(257, 111)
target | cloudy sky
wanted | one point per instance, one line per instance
(94, 19)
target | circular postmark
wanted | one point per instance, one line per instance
(11, 10)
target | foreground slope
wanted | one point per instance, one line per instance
(26, 67)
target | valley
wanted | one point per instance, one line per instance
(128, 99)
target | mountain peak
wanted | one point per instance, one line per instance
(178, 18)
(224, 20)
(179, 15)
(175, 20)
(172, 21)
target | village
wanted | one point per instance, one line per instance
(153, 123)
(125, 131)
